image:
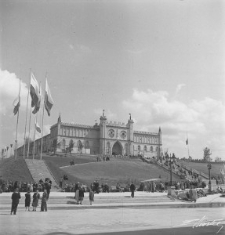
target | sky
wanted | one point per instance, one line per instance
(160, 60)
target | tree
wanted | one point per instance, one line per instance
(207, 154)
(71, 145)
(80, 146)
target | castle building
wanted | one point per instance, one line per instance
(113, 138)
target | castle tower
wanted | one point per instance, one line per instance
(103, 133)
(130, 136)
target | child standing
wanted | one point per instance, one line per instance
(27, 201)
(91, 196)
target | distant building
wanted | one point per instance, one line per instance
(114, 138)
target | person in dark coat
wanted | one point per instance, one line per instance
(44, 200)
(27, 201)
(76, 189)
(15, 201)
(48, 187)
(132, 189)
(81, 195)
(91, 196)
(36, 198)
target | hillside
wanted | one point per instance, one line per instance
(121, 171)
(14, 170)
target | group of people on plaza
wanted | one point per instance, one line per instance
(36, 197)
(9, 186)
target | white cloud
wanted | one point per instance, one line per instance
(9, 90)
(179, 86)
(203, 120)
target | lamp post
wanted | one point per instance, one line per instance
(171, 181)
(209, 168)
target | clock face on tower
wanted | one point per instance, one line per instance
(111, 133)
(123, 134)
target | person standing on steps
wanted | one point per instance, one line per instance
(15, 201)
(132, 189)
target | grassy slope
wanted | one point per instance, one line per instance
(58, 173)
(117, 171)
(65, 161)
(15, 170)
(203, 167)
(54, 162)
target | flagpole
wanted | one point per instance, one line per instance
(42, 123)
(28, 148)
(15, 149)
(187, 143)
(35, 120)
(25, 131)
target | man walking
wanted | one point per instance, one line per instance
(15, 201)
(132, 189)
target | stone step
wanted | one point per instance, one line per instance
(39, 170)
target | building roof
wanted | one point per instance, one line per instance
(145, 133)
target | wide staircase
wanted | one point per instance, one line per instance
(177, 168)
(39, 170)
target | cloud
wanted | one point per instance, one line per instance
(179, 86)
(202, 120)
(9, 90)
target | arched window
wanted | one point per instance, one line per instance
(151, 149)
(156, 149)
(87, 144)
(145, 148)
(139, 148)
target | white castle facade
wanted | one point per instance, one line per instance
(112, 138)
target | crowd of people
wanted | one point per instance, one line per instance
(10, 186)
(185, 190)
(35, 197)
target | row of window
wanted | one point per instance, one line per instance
(145, 139)
(66, 131)
(146, 148)
(63, 144)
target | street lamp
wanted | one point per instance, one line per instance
(172, 160)
(209, 168)
(171, 181)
